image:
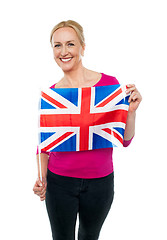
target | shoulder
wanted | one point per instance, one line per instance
(59, 84)
(53, 86)
(109, 80)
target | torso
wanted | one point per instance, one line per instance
(91, 79)
(85, 164)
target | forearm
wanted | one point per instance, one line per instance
(130, 126)
(44, 164)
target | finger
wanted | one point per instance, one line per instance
(131, 89)
(43, 194)
(39, 183)
(39, 190)
(130, 85)
(35, 185)
(43, 191)
(40, 194)
(37, 193)
(133, 97)
(42, 198)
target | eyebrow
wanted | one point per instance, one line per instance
(66, 42)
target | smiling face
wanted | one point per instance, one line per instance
(67, 49)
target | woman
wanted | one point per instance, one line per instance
(79, 182)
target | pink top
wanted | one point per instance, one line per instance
(85, 164)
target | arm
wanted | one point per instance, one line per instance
(134, 101)
(44, 165)
(130, 126)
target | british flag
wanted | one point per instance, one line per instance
(79, 119)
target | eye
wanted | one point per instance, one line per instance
(70, 44)
(57, 45)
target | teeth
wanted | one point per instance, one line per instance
(66, 59)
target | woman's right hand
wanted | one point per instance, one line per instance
(40, 188)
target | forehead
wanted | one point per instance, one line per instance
(64, 34)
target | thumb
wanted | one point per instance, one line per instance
(39, 182)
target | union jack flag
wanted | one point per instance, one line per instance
(78, 119)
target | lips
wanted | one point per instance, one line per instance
(65, 59)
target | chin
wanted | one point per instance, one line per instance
(68, 67)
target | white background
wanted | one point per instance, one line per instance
(125, 39)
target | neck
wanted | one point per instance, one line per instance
(76, 77)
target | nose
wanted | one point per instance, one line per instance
(64, 51)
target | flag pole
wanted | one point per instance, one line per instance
(39, 141)
(40, 168)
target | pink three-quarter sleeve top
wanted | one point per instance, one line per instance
(85, 164)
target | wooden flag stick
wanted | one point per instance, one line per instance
(39, 141)
(40, 164)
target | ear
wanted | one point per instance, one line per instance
(83, 50)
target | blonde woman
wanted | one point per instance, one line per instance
(79, 182)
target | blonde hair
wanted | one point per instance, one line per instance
(76, 26)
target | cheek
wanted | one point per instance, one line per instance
(56, 58)
(77, 54)
(56, 54)
(76, 51)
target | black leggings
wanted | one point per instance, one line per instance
(90, 198)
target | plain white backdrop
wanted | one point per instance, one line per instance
(125, 39)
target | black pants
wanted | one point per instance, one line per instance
(90, 198)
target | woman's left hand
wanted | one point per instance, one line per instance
(134, 98)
